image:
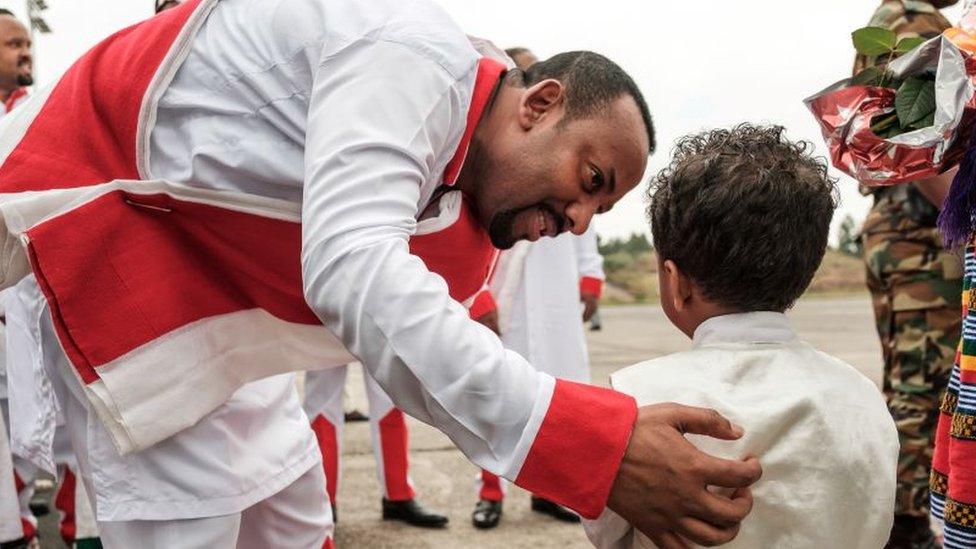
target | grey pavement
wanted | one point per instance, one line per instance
(445, 480)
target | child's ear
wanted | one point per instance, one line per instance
(679, 286)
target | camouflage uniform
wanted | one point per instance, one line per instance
(916, 288)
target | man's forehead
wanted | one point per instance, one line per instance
(619, 140)
(10, 26)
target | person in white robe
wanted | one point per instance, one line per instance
(829, 450)
(545, 291)
(740, 220)
(540, 286)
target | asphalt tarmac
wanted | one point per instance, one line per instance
(446, 481)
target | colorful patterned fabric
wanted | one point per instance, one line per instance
(953, 479)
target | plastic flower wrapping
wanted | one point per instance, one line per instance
(907, 116)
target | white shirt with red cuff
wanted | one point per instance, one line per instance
(356, 110)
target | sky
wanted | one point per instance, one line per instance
(701, 64)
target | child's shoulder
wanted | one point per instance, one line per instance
(656, 366)
(677, 376)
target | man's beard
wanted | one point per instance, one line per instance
(25, 79)
(500, 228)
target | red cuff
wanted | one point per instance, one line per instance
(577, 452)
(483, 304)
(591, 286)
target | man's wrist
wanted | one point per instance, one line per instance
(579, 448)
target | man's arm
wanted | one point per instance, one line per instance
(378, 120)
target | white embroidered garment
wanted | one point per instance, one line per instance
(821, 430)
(537, 285)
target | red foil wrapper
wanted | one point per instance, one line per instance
(844, 113)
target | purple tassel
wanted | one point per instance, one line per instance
(956, 219)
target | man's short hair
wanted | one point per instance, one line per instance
(745, 213)
(592, 82)
(4, 11)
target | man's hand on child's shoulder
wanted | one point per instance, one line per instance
(662, 485)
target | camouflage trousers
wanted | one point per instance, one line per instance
(915, 286)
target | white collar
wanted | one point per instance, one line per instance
(756, 327)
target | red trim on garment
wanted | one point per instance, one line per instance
(489, 72)
(325, 434)
(18, 483)
(484, 303)
(112, 290)
(940, 456)
(178, 261)
(29, 528)
(962, 463)
(462, 254)
(395, 447)
(85, 133)
(64, 501)
(588, 422)
(328, 544)
(12, 99)
(491, 487)
(591, 286)
(967, 376)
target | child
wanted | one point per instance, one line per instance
(740, 222)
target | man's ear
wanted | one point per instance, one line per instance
(540, 102)
(679, 285)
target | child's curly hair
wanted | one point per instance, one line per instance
(745, 213)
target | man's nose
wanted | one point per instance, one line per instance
(580, 214)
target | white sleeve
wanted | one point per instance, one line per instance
(380, 116)
(588, 258)
(610, 531)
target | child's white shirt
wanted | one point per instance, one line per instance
(822, 432)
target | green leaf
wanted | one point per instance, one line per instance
(925, 122)
(870, 76)
(874, 41)
(883, 124)
(914, 101)
(906, 45)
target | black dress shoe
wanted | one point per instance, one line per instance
(554, 510)
(39, 508)
(335, 514)
(412, 513)
(487, 514)
(354, 416)
(21, 543)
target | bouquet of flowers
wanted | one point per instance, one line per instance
(906, 116)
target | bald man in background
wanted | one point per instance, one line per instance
(16, 61)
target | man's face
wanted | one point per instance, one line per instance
(545, 178)
(15, 55)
